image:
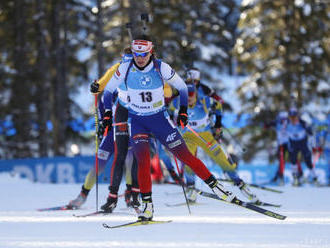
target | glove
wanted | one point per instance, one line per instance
(182, 116)
(100, 130)
(217, 133)
(218, 122)
(107, 119)
(95, 87)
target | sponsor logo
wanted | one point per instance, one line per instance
(122, 133)
(158, 104)
(102, 154)
(216, 152)
(140, 107)
(141, 136)
(174, 144)
(138, 138)
(118, 73)
(171, 137)
(192, 123)
(122, 128)
(145, 81)
(172, 73)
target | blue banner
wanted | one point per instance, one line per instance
(54, 170)
(75, 169)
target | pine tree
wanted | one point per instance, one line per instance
(283, 46)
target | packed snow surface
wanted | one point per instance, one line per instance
(211, 224)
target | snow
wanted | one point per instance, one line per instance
(211, 224)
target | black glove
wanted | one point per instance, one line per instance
(100, 130)
(218, 121)
(182, 116)
(107, 119)
(217, 133)
(95, 87)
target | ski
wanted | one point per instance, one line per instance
(265, 204)
(255, 186)
(182, 204)
(59, 208)
(246, 205)
(100, 212)
(137, 223)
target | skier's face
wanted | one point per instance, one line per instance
(294, 119)
(192, 97)
(141, 59)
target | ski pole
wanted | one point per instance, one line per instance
(181, 182)
(129, 30)
(96, 152)
(235, 140)
(145, 20)
(209, 144)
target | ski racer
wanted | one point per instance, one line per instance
(298, 142)
(107, 147)
(201, 136)
(144, 77)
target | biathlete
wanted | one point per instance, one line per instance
(201, 136)
(144, 77)
(118, 147)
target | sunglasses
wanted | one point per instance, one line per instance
(135, 54)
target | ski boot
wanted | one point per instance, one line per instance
(135, 203)
(315, 182)
(313, 178)
(247, 192)
(128, 194)
(80, 200)
(191, 194)
(274, 179)
(111, 203)
(281, 180)
(220, 190)
(297, 181)
(147, 209)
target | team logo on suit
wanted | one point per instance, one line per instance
(145, 81)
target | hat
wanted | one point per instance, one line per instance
(141, 46)
(293, 112)
(283, 115)
(193, 74)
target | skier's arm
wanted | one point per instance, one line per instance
(107, 76)
(173, 79)
(99, 85)
(306, 127)
(114, 82)
(211, 93)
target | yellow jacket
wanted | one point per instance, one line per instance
(107, 76)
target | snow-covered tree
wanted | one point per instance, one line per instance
(284, 47)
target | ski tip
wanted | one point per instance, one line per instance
(56, 208)
(106, 226)
(137, 223)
